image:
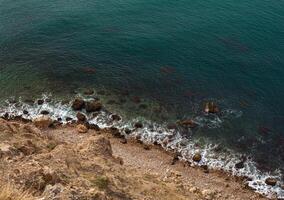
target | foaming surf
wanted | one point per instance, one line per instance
(155, 133)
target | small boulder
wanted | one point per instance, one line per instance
(93, 127)
(115, 117)
(42, 121)
(211, 107)
(187, 123)
(68, 119)
(197, 157)
(93, 106)
(40, 101)
(127, 131)
(44, 112)
(138, 125)
(271, 181)
(88, 92)
(78, 104)
(25, 112)
(81, 117)
(81, 128)
(239, 165)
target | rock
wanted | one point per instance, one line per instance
(81, 117)
(271, 181)
(239, 165)
(138, 125)
(143, 106)
(115, 132)
(211, 107)
(93, 106)
(171, 126)
(25, 112)
(197, 157)
(175, 159)
(78, 104)
(44, 112)
(115, 117)
(93, 127)
(127, 131)
(42, 121)
(187, 123)
(146, 147)
(68, 119)
(40, 101)
(205, 168)
(81, 128)
(88, 92)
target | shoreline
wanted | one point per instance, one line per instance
(149, 162)
(138, 137)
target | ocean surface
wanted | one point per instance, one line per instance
(158, 62)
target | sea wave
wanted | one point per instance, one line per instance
(170, 140)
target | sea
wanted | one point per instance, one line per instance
(157, 62)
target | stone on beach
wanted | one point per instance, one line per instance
(271, 181)
(81, 117)
(42, 121)
(78, 104)
(197, 157)
(81, 128)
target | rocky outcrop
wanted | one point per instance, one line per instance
(81, 117)
(93, 106)
(78, 104)
(42, 122)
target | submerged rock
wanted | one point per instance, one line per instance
(187, 123)
(239, 165)
(93, 106)
(89, 92)
(78, 104)
(81, 128)
(42, 121)
(197, 157)
(127, 131)
(271, 181)
(25, 112)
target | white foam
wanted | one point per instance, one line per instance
(168, 139)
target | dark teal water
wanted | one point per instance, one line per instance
(173, 55)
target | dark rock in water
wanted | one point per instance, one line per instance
(93, 106)
(240, 165)
(44, 112)
(143, 106)
(138, 125)
(187, 123)
(93, 127)
(211, 107)
(136, 99)
(271, 181)
(48, 100)
(101, 92)
(197, 157)
(6, 116)
(88, 92)
(29, 101)
(81, 117)
(111, 102)
(127, 131)
(115, 117)
(25, 112)
(40, 101)
(78, 104)
(68, 119)
(172, 126)
(59, 119)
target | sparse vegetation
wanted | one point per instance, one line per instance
(10, 192)
(101, 182)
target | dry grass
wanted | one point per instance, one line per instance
(10, 192)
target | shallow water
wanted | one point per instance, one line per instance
(169, 57)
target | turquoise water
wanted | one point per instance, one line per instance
(173, 55)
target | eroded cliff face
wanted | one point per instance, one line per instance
(63, 163)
